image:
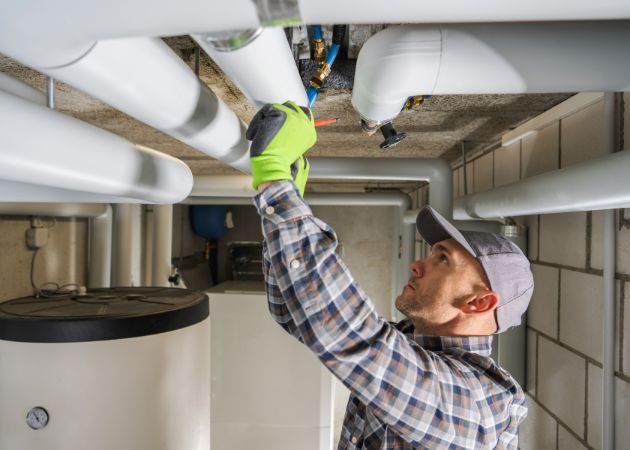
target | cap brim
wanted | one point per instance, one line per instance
(434, 228)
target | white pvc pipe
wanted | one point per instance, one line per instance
(73, 26)
(436, 171)
(147, 256)
(13, 191)
(162, 244)
(264, 70)
(598, 184)
(127, 253)
(12, 86)
(609, 325)
(46, 148)
(408, 60)
(100, 249)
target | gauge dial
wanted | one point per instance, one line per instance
(37, 418)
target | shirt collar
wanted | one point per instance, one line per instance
(481, 345)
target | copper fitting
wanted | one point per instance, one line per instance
(319, 50)
(412, 102)
(317, 80)
(369, 126)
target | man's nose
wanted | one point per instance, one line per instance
(417, 268)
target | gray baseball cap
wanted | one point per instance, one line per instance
(507, 268)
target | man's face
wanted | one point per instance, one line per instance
(440, 285)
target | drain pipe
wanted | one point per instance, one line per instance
(260, 63)
(402, 253)
(408, 60)
(162, 245)
(610, 256)
(36, 155)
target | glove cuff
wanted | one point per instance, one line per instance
(268, 169)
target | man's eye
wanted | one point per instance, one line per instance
(443, 259)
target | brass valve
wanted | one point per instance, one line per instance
(319, 50)
(318, 79)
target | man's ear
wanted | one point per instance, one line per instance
(482, 302)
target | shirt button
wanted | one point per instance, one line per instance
(354, 439)
(295, 264)
(269, 210)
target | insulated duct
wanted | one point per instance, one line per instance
(114, 166)
(403, 61)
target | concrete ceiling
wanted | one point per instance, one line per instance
(435, 130)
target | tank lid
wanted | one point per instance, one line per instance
(101, 314)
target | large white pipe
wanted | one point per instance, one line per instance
(47, 148)
(162, 244)
(598, 184)
(610, 258)
(100, 249)
(12, 86)
(14, 191)
(77, 25)
(264, 69)
(436, 171)
(408, 60)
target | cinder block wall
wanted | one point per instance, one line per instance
(564, 328)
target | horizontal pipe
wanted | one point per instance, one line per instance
(248, 67)
(54, 209)
(597, 184)
(408, 60)
(316, 199)
(16, 192)
(86, 158)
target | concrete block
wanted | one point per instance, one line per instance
(582, 135)
(566, 441)
(483, 173)
(622, 239)
(539, 152)
(542, 313)
(563, 239)
(556, 366)
(530, 379)
(538, 430)
(507, 164)
(581, 312)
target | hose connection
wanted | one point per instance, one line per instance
(392, 137)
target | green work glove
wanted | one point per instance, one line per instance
(280, 135)
(299, 173)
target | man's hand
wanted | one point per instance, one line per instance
(280, 135)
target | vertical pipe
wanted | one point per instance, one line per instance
(100, 250)
(147, 258)
(50, 92)
(608, 419)
(127, 245)
(162, 244)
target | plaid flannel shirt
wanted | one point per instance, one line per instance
(408, 392)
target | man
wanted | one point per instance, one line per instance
(427, 382)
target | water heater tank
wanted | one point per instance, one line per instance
(124, 369)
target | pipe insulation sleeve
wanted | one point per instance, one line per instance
(247, 68)
(597, 184)
(408, 60)
(33, 153)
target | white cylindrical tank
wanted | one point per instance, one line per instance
(124, 369)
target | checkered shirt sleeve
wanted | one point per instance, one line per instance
(450, 399)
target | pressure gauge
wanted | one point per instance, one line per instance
(37, 418)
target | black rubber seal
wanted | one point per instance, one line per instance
(102, 314)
